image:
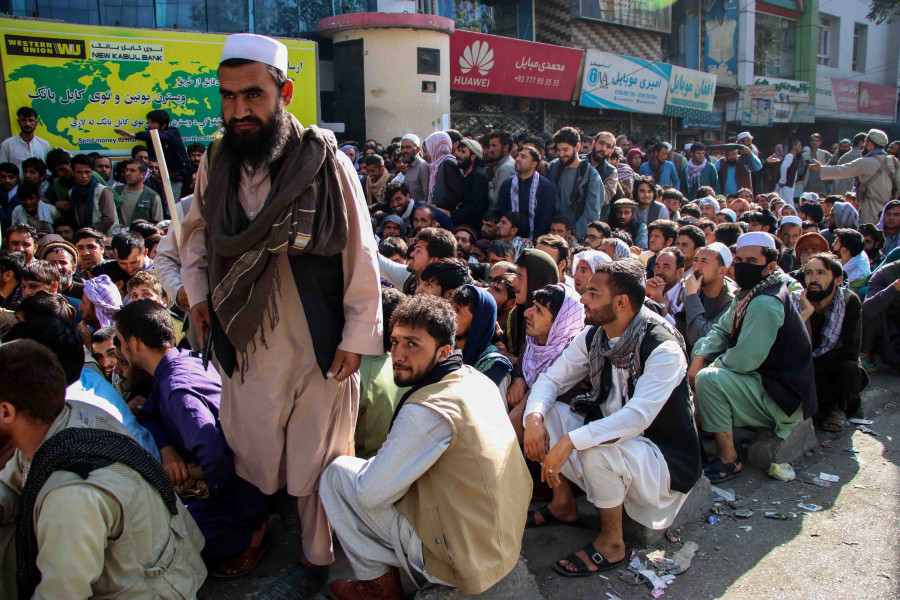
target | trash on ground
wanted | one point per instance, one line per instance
(826, 445)
(602, 576)
(723, 495)
(712, 520)
(778, 516)
(809, 506)
(776, 502)
(673, 539)
(812, 479)
(683, 558)
(829, 477)
(656, 583)
(865, 429)
(851, 543)
(743, 513)
(853, 450)
(611, 596)
(861, 421)
(746, 527)
(858, 486)
(782, 472)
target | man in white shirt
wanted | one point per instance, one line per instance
(26, 144)
(642, 455)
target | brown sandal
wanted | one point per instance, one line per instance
(240, 565)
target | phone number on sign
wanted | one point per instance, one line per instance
(536, 80)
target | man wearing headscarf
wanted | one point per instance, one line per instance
(418, 172)
(584, 264)
(889, 224)
(476, 322)
(631, 443)
(554, 319)
(280, 263)
(535, 270)
(754, 368)
(445, 178)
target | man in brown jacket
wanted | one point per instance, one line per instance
(447, 495)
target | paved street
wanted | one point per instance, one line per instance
(849, 549)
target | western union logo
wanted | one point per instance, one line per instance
(19, 45)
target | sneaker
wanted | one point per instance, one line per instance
(868, 366)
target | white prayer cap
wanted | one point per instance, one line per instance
(878, 137)
(756, 238)
(723, 251)
(667, 145)
(728, 213)
(709, 201)
(257, 48)
(845, 141)
(687, 147)
(413, 138)
(791, 220)
(744, 135)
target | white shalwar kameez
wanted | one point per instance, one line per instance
(630, 470)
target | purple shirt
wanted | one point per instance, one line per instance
(182, 410)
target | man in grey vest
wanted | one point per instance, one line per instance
(138, 200)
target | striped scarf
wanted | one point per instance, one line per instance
(532, 199)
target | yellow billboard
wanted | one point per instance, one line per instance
(85, 81)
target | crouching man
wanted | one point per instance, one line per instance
(631, 443)
(97, 516)
(447, 495)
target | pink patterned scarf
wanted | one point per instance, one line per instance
(439, 148)
(567, 324)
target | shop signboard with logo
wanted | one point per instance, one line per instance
(85, 81)
(490, 64)
(757, 105)
(877, 99)
(618, 82)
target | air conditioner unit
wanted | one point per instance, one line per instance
(397, 6)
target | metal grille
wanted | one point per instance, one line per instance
(587, 120)
(476, 115)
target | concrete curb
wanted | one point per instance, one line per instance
(519, 584)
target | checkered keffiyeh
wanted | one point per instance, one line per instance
(105, 297)
(568, 323)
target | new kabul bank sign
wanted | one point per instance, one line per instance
(491, 64)
(618, 82)
(85, 81)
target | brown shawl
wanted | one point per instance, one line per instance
(305, 212)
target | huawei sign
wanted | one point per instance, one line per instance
(479, 57)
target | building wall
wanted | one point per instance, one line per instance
(554, 25)
(395, 103)
(883, 45)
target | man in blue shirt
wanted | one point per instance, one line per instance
(661, 169)
(735, 171)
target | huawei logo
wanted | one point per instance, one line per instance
(478, 56)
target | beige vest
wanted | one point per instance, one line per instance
(469, 508)
(157, 555)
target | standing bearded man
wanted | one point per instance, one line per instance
(277, 238)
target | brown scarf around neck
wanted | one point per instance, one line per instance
(375, 191)
(305, 212)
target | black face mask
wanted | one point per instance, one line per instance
(819, 295)
(747, 275)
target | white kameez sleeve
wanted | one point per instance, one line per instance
(569, 368)
(663, 371)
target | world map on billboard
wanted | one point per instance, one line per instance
(655, 15)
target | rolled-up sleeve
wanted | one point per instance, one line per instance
(362, 289)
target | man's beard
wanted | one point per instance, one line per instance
(565, 162)
(463, 254)
(65, 280)
(820, 294)
(408, 159)
(411, 378)
(598, 156)
(601, 316)
(260, 148)
(465, 163)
